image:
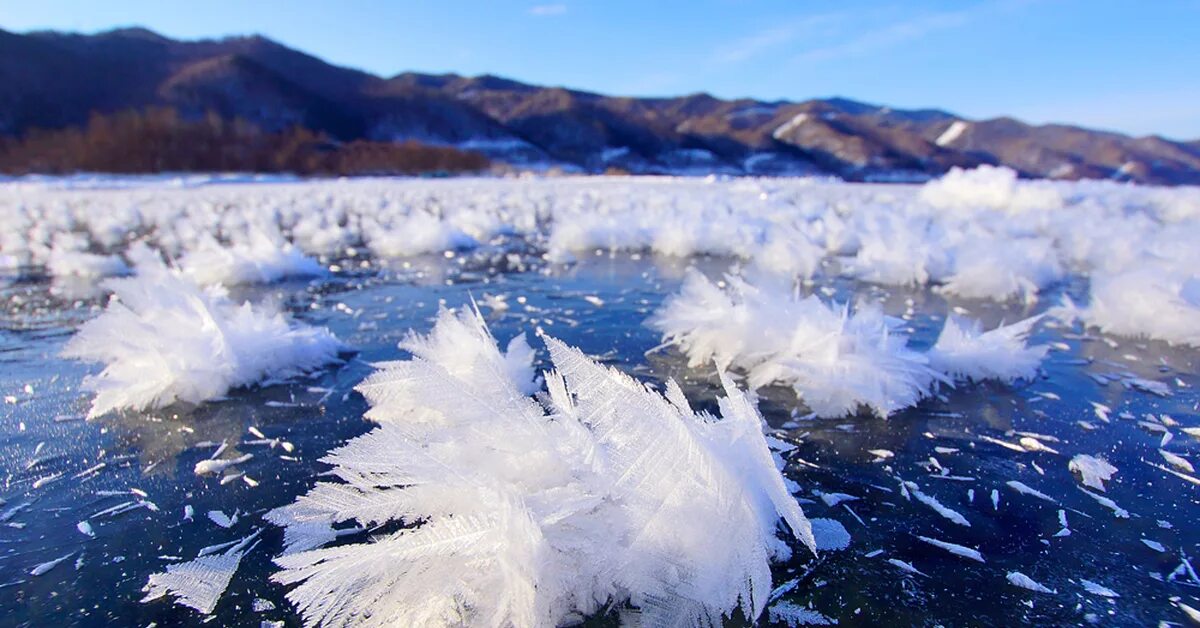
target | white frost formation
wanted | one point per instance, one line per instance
(836, 359)
(256, 258)
(163, 339)
(991, 187)
(1144, 303)
(981, 233)
(1093, 471)
(964, 352)
(493, 508)
(1018, 579)
(199, 583)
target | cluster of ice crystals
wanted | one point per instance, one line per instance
(498, 508)
(163, 339)
(837, 359)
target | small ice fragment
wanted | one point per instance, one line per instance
(231, 477)
(1182, 476)
(954, 548)
(782, 590)
(40, 482)
(1177, 461)
(199, 583)
(1005, 444)
(48, 565)
(905, 567)
(1065, 530)
(1098, 589)
(116, 510)
(833, 499)
(1094, 471)
(85, 528)
(995, 499)
(1118, 512)
(212, 549)
(855, 515)
(256, 432)
(1154, 545)
(213, 467)
(1153, 426)
(261, 606)
(873, 553)
(1019, 579)
(937, 506)
(594, 300)
(881, 454)
(1033, 444)
(90, 470)
(1101, 411)
(830, 534)
(1024, 489)
(1148, 385)
(188, 512)
(792, 615)
(221, 519)
(1192, 613)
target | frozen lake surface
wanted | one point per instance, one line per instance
(994, 454)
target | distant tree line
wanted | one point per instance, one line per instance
(162, 140)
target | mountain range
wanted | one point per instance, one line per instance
(56, 80)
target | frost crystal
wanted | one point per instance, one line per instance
(257, 258)
(1093, 471)
(163, 339)
(793, 615)
(963, 351)
(1018, 579)
(199, 583)
(835, 359)
(493, 508)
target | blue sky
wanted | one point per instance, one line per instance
(1122, 65)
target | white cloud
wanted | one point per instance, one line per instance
(887, 36)
(822, 37)
(546, 10)
(775, 37)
